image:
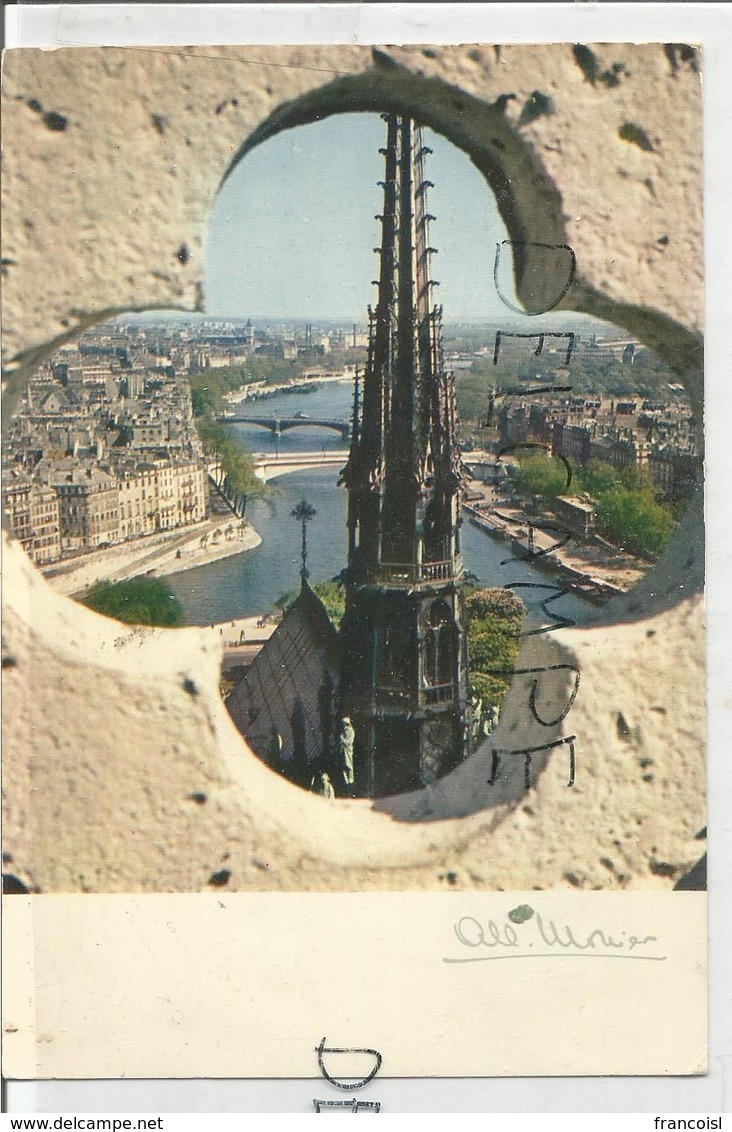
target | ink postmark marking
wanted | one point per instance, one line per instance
(521, 247)
(558, 621)
(349, 1084)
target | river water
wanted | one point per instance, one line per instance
(251, 583)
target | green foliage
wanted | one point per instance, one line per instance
(213, 435)
(207, 393)
(139, 601)
(495, 617)
(474, 386)
(472, 391)
(634, 520)
(540, 474)
(209, 387)
(222, 441)
(276, 370)
(598, 478)
(627, 513)
(637, 479)
(206, 399)
(332, 595)
(494, 602)
(492, 690)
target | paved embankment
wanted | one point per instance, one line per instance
(161, 554)
(602, 568)
(243, 638)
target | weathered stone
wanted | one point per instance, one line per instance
(103, 737)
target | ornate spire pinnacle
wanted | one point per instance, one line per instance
(404, 666)
(404, 471)
(304, 512)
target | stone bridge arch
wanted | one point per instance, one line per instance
(278, 425)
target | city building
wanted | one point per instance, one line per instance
(17, 507)
(111, 457)
(45, 524)
(88, 509)
(161, 497)
(656, 437)
(32, 511)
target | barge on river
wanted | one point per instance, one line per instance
(500, 526)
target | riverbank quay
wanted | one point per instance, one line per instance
(166, 553)
(243, 637)
(596, 571)
(308, 384)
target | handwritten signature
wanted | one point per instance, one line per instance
(531, 936)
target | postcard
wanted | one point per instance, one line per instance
(354, 651)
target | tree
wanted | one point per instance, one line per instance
(539, 474)
(598, 477)
(221, 441)
(206, 399)
(138, 601)
(633, 520)
(627, 510)
(333, 597)
(495, 617)
(207, 392)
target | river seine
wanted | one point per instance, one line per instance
(251, 583)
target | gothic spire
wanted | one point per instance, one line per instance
(404, 462)
(404, 667)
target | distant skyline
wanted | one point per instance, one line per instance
(293, 229)
(293, 232)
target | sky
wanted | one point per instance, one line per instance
(293, 228)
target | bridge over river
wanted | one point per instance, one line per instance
(267, 467)
(278, 425)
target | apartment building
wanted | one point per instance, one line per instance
(32, 512)
(46, 524)
(162, 496)
(88, 509)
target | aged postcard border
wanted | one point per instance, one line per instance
(363, 1012)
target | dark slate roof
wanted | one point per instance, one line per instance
(294, 675)
(59, 396)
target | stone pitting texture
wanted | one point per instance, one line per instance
(112, 161)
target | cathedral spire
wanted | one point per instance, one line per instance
(404, 468)
(405, 663)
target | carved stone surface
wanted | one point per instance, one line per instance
(104, 746)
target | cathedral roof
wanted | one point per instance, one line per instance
(286, 687)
